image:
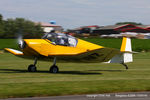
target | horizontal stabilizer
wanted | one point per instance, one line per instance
(132, 52)
(13, 51)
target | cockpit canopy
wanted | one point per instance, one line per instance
(61, 39)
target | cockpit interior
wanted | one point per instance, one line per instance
(61, 39)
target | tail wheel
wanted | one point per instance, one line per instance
(54, 69)
(32, 68)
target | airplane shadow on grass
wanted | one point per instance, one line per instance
(60, 72)
(109, 70)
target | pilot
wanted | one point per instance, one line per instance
(60, 40)
(52, 36)
(52, 31)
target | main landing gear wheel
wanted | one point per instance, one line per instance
(54, 69)
(32, 68)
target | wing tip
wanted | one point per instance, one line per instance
(13, 51)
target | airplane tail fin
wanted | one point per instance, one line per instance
(126, 49)
(126, 52)
(126, 45)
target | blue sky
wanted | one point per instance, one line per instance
(75, 13)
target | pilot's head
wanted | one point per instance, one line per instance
(52, 31)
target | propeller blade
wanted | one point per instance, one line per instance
(21, 42)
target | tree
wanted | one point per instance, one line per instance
(133, 23)
(1, 18)
(21, 26)
(1, 25)
(10, 28)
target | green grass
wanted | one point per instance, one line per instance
(137, 44)
(74, 78)
(8, 43)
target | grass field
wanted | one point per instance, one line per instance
(137, 44)
(74, 78)
(8, 43)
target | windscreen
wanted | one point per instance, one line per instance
(61, 39)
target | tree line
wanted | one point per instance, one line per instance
(133, 23)
(11, 28)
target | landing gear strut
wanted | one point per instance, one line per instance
(32, 67)
(126, 66)
(54, 68)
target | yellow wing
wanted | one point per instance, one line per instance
(13, 51)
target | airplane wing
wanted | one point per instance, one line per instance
(13, 51)
(99, 55)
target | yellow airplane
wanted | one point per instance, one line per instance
(70, 49)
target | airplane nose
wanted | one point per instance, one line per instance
(22, 44)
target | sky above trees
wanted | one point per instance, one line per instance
(75, 13)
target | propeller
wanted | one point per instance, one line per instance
(20, 41)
